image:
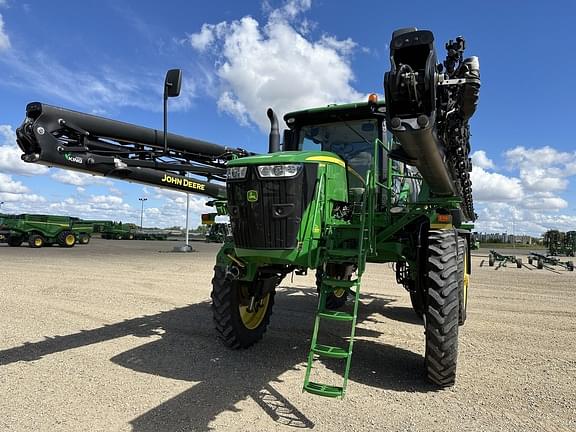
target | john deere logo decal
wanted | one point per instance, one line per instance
(252, 196)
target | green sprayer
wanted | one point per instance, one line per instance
(357, 183)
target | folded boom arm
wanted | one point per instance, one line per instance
(72, 140)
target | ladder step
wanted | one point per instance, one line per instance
(323, 389)
(336, 315)
(339, 283)
(330, 351)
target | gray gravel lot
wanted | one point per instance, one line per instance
(117, 336)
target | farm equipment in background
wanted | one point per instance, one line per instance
(560, 243)
(44, 230)
(543, 260)
(355, 183)
(570, 243)
(118, 231)
(495, 257)
(217, 232)
(151, 234)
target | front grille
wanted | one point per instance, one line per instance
(273, 220)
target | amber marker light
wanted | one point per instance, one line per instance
(444, 218)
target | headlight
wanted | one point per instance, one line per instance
(234, 173)
(287, 170)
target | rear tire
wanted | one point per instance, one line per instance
(540, 264)
(334, 300)
(66, 239)
(491, 260)
(442, 310)
(519, 262)
(36, 241)
(235, 327)
(570, 266)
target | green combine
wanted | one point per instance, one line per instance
(118, 231)
(368, 182)
(44, 230)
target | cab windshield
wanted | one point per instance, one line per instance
(352, 140)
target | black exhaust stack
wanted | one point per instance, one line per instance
(274, 137)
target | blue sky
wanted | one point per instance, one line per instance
(108, 57)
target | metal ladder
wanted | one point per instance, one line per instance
(329, 285)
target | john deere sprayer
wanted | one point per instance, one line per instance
(375, 181)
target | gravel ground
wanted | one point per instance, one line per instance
(117, 336)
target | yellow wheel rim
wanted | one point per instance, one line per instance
(466, 280)
(252, 320)
(70, 239)
(339, 292)
(38, 242)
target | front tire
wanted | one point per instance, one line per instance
(442, 312)
(36, 241)
(236, 327)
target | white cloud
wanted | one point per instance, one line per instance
(290, 10)
(494, 187)
(4, 39)
(10, 161)
(543, 169)
(75, 178)
(529, 203)
(544, 201)
(275, 66)
(503, 217)
(8, 185)
(480, 160)
(20, 202)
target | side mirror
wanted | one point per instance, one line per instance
(172, 83)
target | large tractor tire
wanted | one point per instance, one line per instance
(491, 260)
(15, 241)
(540, 264)
(334, 300)
(36, 241)
(236, 326)
(442, 313)
(518, 262)
(463, 279)
(66, 239)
